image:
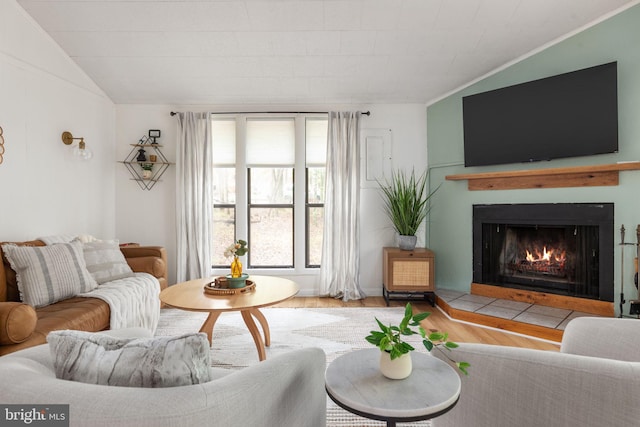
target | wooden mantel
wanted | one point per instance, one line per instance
(579, 176)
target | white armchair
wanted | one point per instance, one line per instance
(594, 381)
(286, 390)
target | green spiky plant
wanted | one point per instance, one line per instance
(406, 201)
(389, 338)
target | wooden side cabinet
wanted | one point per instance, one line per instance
(408, 273)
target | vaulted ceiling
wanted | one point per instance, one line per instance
(237, 52)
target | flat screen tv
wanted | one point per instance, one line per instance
(567, 115)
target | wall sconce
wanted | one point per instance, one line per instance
(80, 151)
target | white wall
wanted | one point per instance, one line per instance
(47, 192)
(43, 93)
(148, 217)
(409, 150)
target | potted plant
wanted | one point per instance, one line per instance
(406, 202)
(395, 357)
(147, 170)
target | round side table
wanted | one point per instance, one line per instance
(354, 382)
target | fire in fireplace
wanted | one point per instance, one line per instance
(539, 256)
(559, 248)
(530, 252)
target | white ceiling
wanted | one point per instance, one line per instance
(301, 51)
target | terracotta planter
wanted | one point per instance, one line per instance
(396, 369)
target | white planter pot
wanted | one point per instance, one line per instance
(396, 369)
(406, 243)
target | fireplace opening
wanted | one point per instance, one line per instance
(557, 259)
(565, 249)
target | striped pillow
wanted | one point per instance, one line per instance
(105, 261)
(47, 274)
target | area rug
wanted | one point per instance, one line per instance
(335, 330)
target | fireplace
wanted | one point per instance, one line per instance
(564, 248)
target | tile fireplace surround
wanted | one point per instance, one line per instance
(535, 314)
(527, 318)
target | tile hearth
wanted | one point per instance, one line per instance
(548, 317)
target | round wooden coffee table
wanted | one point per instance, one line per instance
(269, 290)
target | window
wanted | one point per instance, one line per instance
(224, 196)
(315, 160)
(269, 174)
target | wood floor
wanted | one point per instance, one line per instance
(458, 331)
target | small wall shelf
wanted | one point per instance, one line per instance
(134, 166)
(579, 176)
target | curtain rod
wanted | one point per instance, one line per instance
(364, 113)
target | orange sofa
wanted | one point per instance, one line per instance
(23, 326)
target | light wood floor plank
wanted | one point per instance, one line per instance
(458, 331)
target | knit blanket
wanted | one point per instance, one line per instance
(133, 301)
(65, 238)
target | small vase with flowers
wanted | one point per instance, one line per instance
(237, 279)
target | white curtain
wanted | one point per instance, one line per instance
(194, 196)
(339, 271)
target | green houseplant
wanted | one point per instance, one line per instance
(389, 340)
(147, 170)
(406, 203)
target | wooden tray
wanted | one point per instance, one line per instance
(220, 286)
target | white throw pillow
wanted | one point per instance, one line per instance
(96, 358)
(105, 261)
(47, 274)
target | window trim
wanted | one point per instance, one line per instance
(307, 205)
(291, 206)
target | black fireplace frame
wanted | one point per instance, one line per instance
(547, 214)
